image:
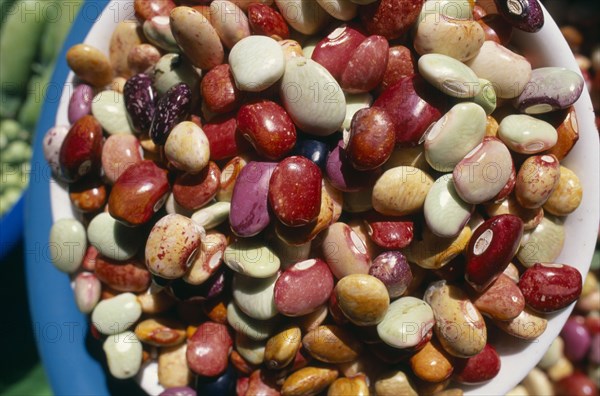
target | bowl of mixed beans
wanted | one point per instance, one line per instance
(303, 197)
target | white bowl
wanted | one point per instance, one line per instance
(544, 48)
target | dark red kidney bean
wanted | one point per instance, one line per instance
(413, 106)
(171, 109)
(208, 349)
(366, 67)
(266, 21)
(550, 287)
(147, 9)
(372, 138)
(479, 368)
(268, 127)
(249, 213)
(401, 63)
(378, 17)
(315, 150)
(526, 16)
(140, 101)
(219, 91)
(295, 191)
(303, 287)
(224, 139)
(123, 276)
(223, 385)
(335, 51)
(576, 384)
(492, 246)
(393, 270)
(343, 176)
(138, 193)
(389, 232)
(81, 151)
(193, 191)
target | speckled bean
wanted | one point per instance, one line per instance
(196, 37)
(458, 38)
(187, 147)
(171, 109)
(172, 246)
(140, 101)
(161, 332)
(567, 195)
(459, 325)
(537, 179)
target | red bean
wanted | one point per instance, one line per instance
(267, 22)
(268, 127)
(379, 18)
(303, 288)
(389, 232)
(372, 138)
(366, 67)
(81, 151)
(334, 51)
(295, 191)
(208, 349)
(219, 91)
(413, 106)
(550, 287)
(400, 64)
(193, 191)
(492, 246)
(477, 369)
(128, 276)
(140, 192)
(224, 139)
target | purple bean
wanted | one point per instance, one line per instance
(172, 108)
(140, 101)
(80, 103)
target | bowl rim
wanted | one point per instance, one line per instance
(69, 352)
(59, 328)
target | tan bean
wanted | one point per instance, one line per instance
(528, 325)
(394, 383)
(363, 298)
(90, 65)
(567, 196)
(431, 363)
(308, 381)
(127, 35)
(459, 326)
(355, 386)
(332, 344)
(172, 367)
(281, 349)
(537, 179)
